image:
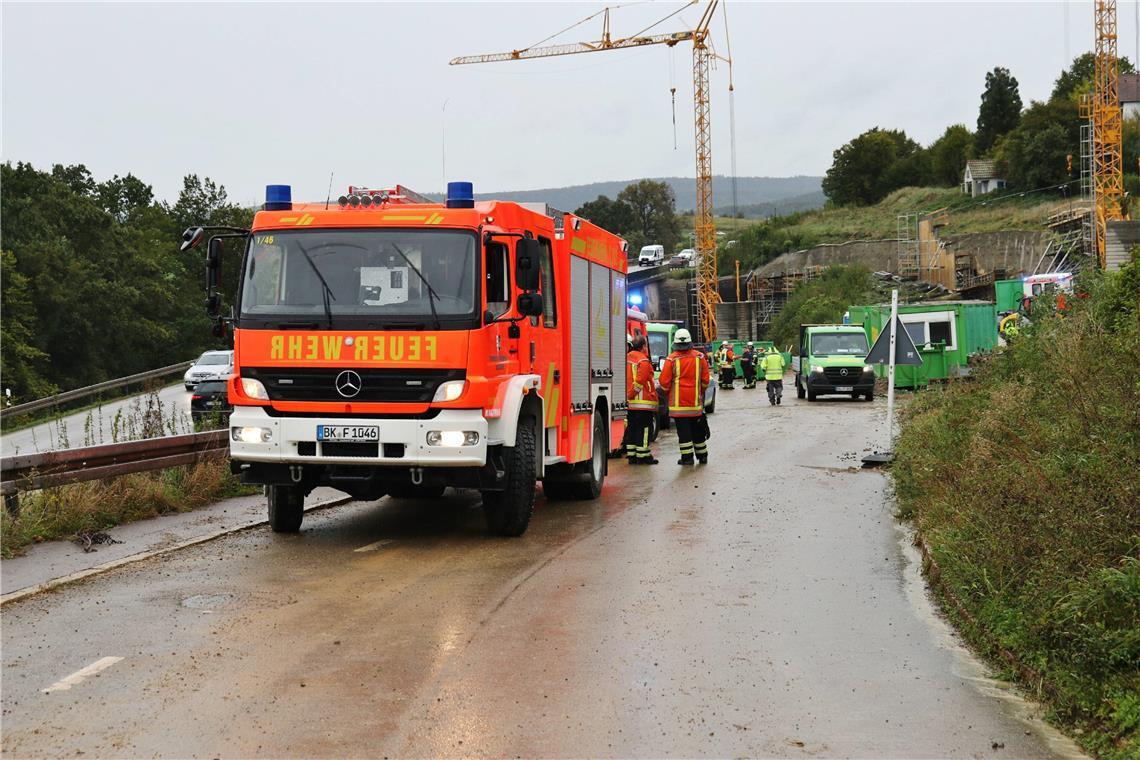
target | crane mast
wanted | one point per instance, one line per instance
(708, 295)
(1108, 127)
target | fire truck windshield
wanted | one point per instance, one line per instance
(360, 278)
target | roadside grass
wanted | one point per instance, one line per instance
(81, 509)
(1025, 484)
(85, 508)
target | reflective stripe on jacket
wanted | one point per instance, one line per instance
(641, 392)
(684, 379)
(773, 366)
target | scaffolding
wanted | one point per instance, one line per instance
(908, 247)
(770, 293)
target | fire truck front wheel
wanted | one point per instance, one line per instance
(286, 508)
(508, 511)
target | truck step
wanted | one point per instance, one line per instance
(547, 461)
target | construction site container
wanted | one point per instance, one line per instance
(1008, 294)
(946, 333)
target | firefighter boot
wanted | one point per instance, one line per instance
(702, 451)
(686, 453)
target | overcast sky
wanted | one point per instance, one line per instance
(257, 93)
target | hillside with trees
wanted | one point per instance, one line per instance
(93, 284)
(1031, 145)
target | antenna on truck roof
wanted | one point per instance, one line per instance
(328, 198)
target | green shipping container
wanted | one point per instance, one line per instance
(947, 334)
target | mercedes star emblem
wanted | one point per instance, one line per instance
(843, 372)
(347, 383)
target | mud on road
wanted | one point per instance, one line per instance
(762, 605)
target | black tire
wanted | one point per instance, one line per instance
(508, 512)
(870, 395)
(800, 393)
(412, 491)
(653, 428)
(663, 420)
(591, 487)
(810, 396)
(286, 508)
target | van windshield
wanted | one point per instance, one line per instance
(658, 345)
(839, 344)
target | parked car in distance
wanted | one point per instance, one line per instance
(651, 255)
(688, 255)
(212, 365)
(210, 399)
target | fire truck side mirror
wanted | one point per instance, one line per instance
(529, 304)
(191, 238)
(213, 263)
(527, 255)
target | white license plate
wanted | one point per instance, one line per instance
(844, 388)
(365, 433)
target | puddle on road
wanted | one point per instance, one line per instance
(207, 602)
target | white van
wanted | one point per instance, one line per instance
(651, 255)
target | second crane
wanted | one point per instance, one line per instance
(708, 295)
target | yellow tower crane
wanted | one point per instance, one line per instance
(1108, 126)
(704, 227)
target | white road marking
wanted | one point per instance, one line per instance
(80, 676)
(373, 547)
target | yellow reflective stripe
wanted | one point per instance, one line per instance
(676, 382)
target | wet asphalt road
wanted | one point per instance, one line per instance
(763, 605)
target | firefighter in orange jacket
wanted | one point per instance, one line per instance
(641, 393)
(683, 380)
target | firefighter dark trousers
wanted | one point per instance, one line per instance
(691, 437)
(749, 373)
(637, 435)
(727, 376)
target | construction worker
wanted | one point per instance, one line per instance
(748, 365)
(725, 361)
(641, 393)
(684, 379)
(772, 366)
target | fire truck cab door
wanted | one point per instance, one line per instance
(544, 345)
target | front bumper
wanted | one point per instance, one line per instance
(402, 436)
(860, 383)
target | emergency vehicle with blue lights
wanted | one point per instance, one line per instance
(388, 344)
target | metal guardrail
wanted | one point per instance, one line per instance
(91, 390)
(29, 472)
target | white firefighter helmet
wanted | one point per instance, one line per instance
(682, 339)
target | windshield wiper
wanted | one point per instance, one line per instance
(327, 293)
(431, 291)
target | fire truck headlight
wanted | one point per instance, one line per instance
(251, 434)
(450, 390)
(254, 389)
(452, 438)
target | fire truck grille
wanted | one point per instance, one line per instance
(404, 386)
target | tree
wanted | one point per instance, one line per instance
(1077, 79)
(653, 208)
(869, 167)
(610, 215)
(1000, 110)
(1034, 154)
(949, 153)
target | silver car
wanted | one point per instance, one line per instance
(212, 365)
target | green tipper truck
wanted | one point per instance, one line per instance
(831, 359)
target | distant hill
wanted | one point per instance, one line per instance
(750, 191)
(805, 202)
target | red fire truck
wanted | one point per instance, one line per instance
(387, 344)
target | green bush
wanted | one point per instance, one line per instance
(1024, 484)
(821, 301)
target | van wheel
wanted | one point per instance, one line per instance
(653, 428)
(810, 396)
(508, 512)
(591, 488)
(799, 389)
(286, 508)
(870, 396)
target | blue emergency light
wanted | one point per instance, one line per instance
(634, 299)
(278, 198)
(460, 195)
